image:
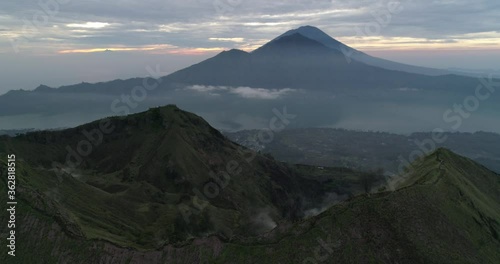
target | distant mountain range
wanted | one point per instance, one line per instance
(329, 83)
(307, 58)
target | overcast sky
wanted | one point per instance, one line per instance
(58, 42)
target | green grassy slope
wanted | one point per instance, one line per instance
(144, 185)
(445, 212)
(124, 202)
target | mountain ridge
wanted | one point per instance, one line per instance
(433, 217)
(354, 54)
(310, 32)
(166, 170)
(284, 70)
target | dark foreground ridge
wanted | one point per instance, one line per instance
(139, 196)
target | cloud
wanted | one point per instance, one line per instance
(263, 221)
(209, 88)
(176, 32)
(243, 92)
(260, 93)
(121, 48)
(237, 40)
(95, 25)
(199, 24)
(407, 89)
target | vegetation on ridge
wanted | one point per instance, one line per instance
(122, 203)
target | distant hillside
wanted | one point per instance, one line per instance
(367, 150)
(15, 132)
(445, 210)
(160, 177)
(297, 61)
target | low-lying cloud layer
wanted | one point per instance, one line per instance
(244, 92)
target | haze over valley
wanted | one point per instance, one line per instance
(237, 90)
(217, 131)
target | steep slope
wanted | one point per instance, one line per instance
(446, 210)
(320, 36)
(162, 176)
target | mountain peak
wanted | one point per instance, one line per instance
(316, 34)
(296, 38)
(154, 166)
(304, 30)
(232, 54)
(442, 163)
(236, 51)
(309, 28)
(293, 44)
(43, 88)
(168, 117)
